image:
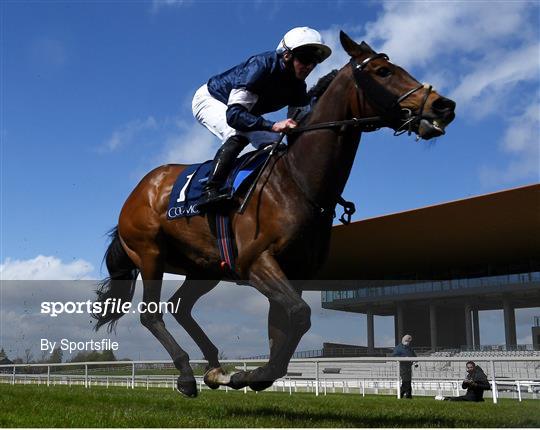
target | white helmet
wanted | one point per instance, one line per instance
(304, 37)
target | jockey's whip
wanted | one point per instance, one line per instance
(254, 183)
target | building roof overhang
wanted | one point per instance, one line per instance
(500, 229)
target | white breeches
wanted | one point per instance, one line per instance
(212, 114)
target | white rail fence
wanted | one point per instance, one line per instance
(365, 375)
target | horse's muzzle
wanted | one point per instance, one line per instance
(442, 106)
(442, 114)
(428, 129)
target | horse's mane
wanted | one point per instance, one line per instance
(317, 90)
(314, 94)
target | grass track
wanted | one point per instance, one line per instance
(40, 406)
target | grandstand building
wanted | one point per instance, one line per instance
(536, 333)
(433, 269)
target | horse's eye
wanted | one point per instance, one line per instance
(383, 72)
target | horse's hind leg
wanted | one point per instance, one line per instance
(286, 305)
(152, 274)
(183, 300)
(278, 328)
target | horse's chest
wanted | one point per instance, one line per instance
(305, 251)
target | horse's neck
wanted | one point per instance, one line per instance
(321, 161)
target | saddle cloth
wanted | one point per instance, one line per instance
(188, 188)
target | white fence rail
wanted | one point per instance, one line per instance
(312, 379)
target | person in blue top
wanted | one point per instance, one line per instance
(230, 105)
(404, 349)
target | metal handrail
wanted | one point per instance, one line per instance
(130, 380)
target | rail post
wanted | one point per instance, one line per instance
(48, 375)
(518, 390)
(316, 378)
(398, 391)
(132, 376)
(245, 370)
(493, 382)
(86, 376)
(13, 376)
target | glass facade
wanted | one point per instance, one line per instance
(429, 287)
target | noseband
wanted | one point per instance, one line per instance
(386, 102)
(392, 114)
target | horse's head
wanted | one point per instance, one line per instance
(392, 93)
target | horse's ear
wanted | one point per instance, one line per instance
(350, 46)
(366, 48)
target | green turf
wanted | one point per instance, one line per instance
(41, 406)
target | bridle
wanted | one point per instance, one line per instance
(384, 100)
(392, 113)
(389, 104)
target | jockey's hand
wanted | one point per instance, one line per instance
(284, 126)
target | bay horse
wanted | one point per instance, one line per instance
(284, 231)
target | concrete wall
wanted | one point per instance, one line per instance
(450, 326)
(536, 337)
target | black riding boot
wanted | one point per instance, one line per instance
(221, 167)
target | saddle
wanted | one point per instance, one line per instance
(189, 186)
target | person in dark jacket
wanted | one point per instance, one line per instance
(475, 383)
(404, 349)
(230, 105)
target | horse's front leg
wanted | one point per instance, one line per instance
(289, 319)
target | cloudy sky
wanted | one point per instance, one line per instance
(95, 94)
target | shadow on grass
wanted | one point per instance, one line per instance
(310, 419)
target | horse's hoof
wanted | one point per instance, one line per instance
(260, 385)
(215, 377)
(210, 384)
(187, 387)
(260, 379)
(238, 380)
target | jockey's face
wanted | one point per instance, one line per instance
(301, 70)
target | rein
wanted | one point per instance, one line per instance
(348, 207)
(380, 96)
(365, 124)
(387, 102)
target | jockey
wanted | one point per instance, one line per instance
(230, 104)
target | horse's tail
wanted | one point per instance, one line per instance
(120, 284)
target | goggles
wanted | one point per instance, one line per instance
(307, 56)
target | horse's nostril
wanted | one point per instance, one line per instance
(443, 104)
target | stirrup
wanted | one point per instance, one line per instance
(212, 199)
